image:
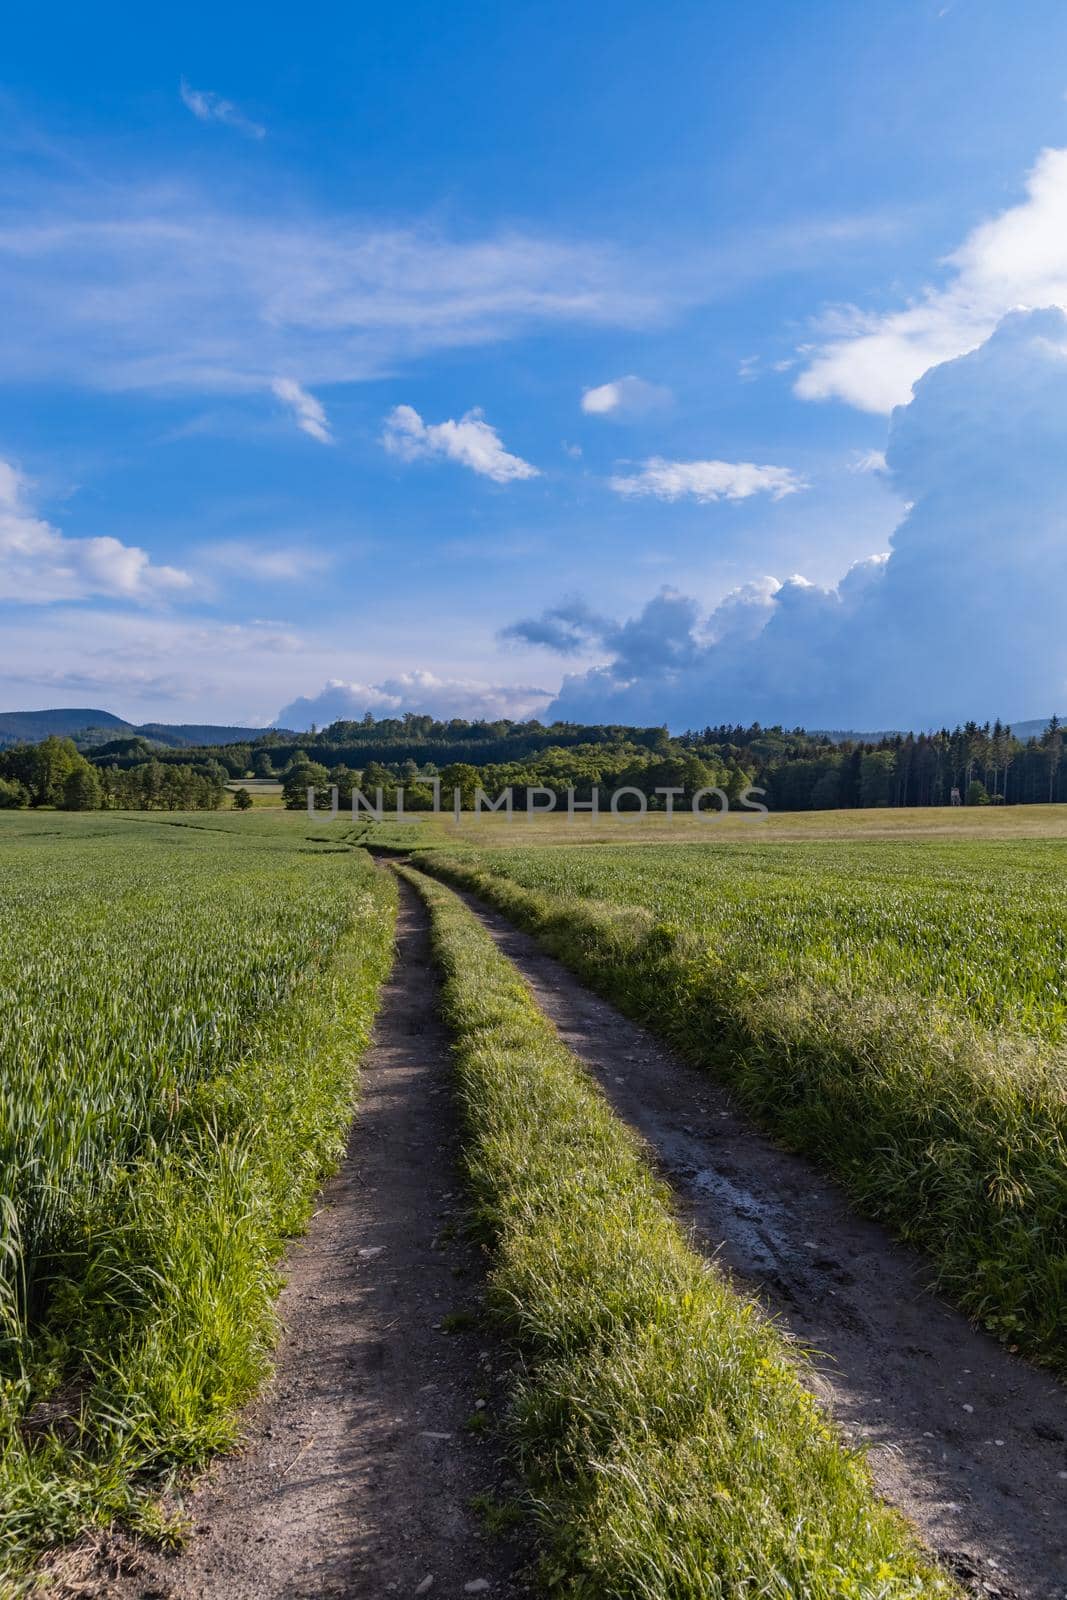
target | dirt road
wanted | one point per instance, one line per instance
(359, 1466)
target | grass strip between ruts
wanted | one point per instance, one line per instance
(667, 1437)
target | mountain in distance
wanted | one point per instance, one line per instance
(68, 724)
(88, 726)
(179, 734)
(1033, 729)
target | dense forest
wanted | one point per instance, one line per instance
(799, 771)
(55, 773)
(973, 765)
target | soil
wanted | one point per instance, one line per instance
(358, 1463)
(969, 1442)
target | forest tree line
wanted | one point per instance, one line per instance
(55, 773)
(799, 771)
(972, 765)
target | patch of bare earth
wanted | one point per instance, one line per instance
(359, 1462)
(970, 1443)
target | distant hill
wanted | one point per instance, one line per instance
(179, 734)
(88, 726)
(1031, 730)
(34, 725)
(1022, 730)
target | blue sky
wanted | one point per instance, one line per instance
(376, 347)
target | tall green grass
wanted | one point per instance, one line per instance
(182, 1010)
(895, 1013)
(670, 1445)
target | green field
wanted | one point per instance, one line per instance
(182, 1006)
(496, 832)
(183, 1003)
(979, 926)
(896, 1007)
(663, 1424)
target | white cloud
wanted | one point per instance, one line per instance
(868, 461)
(418, 691)
(149, 665)
(164, 285)
(624, 398)
(963, 617)
(268, 563)
(707, 480)
(39, 565)
(743, 613)
(470, 441)
(1017, 259)
(209, 107)
(157, 665)
(309, 412)
(156, 288)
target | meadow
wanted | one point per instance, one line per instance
(182, 1006)
(183, 1003)
(895, 1007)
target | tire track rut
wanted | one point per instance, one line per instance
(969, 1442)
(357, 1466)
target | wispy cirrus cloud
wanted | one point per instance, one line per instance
(868, 461)
(116, 286)
(310, 413)
(706, 480)
(39, 565)
(471, 442)
(207, 106)
(268, 562)
(138, 662)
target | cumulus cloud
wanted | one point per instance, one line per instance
(470, 441)
(624, 398)
(742, 614)
(209, 107)
(1017, 259)
(706, 480)
(417, 691)
(39, 565)
(309, 412)
(963, 617)
(668, 632)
